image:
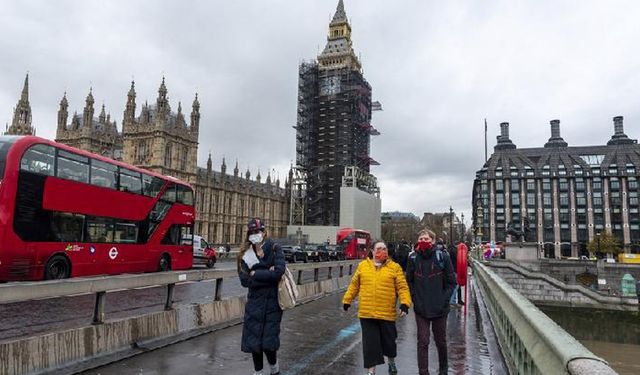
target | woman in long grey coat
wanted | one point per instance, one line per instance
(261, 265)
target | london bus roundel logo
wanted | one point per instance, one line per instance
(113, 253)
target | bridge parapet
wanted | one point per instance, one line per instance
(531, 342)
(77, 349)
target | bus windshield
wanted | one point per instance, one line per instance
(5, 145)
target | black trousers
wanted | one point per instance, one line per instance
(378, 340)
(258, 359)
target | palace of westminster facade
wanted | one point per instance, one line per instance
(165, 142)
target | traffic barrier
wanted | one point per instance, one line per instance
(105, 341)
(531, 342)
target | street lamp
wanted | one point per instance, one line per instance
(451, 226)
(598, 239)
(462, 227)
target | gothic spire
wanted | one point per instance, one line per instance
(209, 163)
(25, 89)
(21, 123)
(338, 53)
(223, 167)
(236, 170)
(162, 103)
(87, 115)
(341, 15)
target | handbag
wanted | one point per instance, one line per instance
(287, 290)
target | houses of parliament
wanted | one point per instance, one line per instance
(166, 142)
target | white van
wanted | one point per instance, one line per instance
(203, 253)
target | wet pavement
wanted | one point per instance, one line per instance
(318, 338)
(54, 314)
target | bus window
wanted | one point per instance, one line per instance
(130, 181)
(103, 174)
(184, 195)
(67, 227)
(99, 229)
(126, 232)
(38, 159)
(178, 235)
(151, 185)
(72, 167)
(170, 194)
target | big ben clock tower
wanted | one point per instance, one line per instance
(333, 129)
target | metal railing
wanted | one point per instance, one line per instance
(531, 342)
(100, 286)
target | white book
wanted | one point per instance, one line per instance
(250, 258)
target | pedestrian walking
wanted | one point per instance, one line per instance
(402, 254)
(379, 282)
(453, 254)
(260, 266)
(431, 280)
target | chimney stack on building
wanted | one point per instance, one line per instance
(504, 130)
(555, 128)
(618, 127)
(504, 142)
(555, 140)
(618, 137)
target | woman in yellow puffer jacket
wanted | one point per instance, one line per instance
(379, 282)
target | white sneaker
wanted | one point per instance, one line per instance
(258, 372)
(275, 369)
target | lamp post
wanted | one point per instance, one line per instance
(598, 239)
(450, 226)
(462, 232)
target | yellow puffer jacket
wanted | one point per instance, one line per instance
(378, 289)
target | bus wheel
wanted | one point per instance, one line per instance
(210, 263)
(57, 267)
(165, 263)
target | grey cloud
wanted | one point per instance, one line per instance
(439, 68)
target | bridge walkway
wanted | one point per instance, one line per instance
(319, 338)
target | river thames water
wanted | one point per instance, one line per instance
(612, 335)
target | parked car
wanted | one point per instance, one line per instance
(203, 253)
(294, 254)
(335, 252)
(312, 253)
(323, 253)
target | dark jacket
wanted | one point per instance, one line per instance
(402, 255)
(431, 286)
(453, 254)
(262, 313)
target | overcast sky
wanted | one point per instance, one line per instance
(438, 68)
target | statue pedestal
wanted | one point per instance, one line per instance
(521, 251)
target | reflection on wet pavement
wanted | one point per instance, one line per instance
(318, 338)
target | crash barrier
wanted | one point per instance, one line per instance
(543, 289)
(105, 341)
(531, 342)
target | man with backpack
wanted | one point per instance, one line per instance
(431, 280)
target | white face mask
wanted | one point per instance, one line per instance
(255, 238)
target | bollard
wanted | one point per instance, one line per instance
(218, 296)
(341, 270)
(98, 311)
(168, 305)
(329, 276)
(299, 277)
(316, 274)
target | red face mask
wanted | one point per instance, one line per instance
(381, 256)
(423, 246)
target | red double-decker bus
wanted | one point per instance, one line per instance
(66, 212)
(354, 242)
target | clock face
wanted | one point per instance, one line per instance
(330, 86)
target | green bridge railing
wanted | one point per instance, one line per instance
(531, 342)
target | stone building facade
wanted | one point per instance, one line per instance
(165, 142)
(562, 196)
